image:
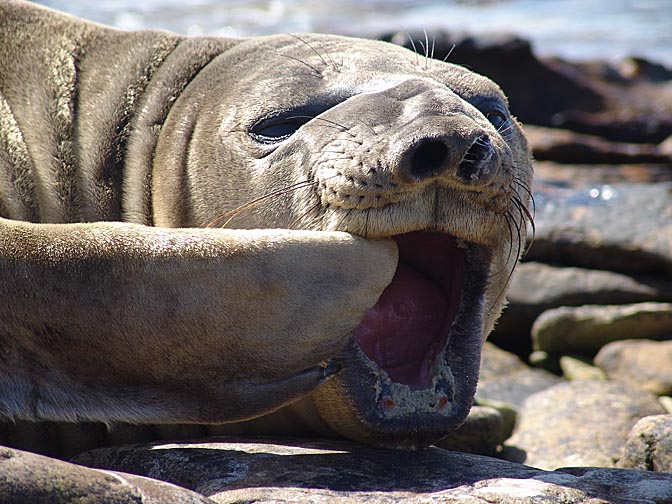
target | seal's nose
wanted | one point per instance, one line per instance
(469, 159)
(428, 158)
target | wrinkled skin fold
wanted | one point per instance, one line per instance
(362, 208)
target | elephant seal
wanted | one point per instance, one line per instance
(374, 204)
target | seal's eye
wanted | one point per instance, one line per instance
(279, 128)
(497, 118)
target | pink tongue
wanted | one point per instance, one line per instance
(401, 332)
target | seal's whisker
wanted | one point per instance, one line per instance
(315, 71)
(344, 129)
(505, 127)
(526, 216)
(449, 53)
(329, 122)
(368, 126)
(297, 220)
(508, 225)
(232, 214)
(425, 48)
(366, 223)
(354, 140)
(339, 153)
(415, 49)
(528, 191)
(339, 226)
(510, 219)
(310, 46)
(333, 65)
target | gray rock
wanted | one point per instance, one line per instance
(507, 412)
(27, 478)
(537, 287)
(584, 330)
(549, 175)
(266, 470)
(666, 401)
(622, 227)
(566, 146)
(582, 423)
(578, 369)
(640, 363)
(482, 433)
(649, 445)
(504, 377)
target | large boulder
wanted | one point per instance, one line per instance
(624, 227)
(581, 423)
(505, 377)
(27, 478)
(584, 330)
(538, 287)
(649, 445)
(640, 363)
(340, 472)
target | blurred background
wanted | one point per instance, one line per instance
(576, 29)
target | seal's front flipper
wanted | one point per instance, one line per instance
(122, 322)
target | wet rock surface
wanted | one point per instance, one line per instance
(621, 227)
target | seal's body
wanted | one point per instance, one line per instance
(364, 169)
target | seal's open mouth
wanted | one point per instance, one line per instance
(412, 366)
(409, 325)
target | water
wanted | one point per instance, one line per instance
(575, 29)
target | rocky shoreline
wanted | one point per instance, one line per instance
(577, 373)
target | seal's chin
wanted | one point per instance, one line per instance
(411, 369)
(407, 330)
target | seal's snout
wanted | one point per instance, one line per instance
(463, 157)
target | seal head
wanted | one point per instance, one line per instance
(369, 138)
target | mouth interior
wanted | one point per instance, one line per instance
(409, 325)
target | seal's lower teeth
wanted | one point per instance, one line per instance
(409, 325)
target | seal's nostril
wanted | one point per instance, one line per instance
(475, 162)
(429, 158)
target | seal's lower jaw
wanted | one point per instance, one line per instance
(411, 370)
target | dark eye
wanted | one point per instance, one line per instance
(278, 129)
(497, 118)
